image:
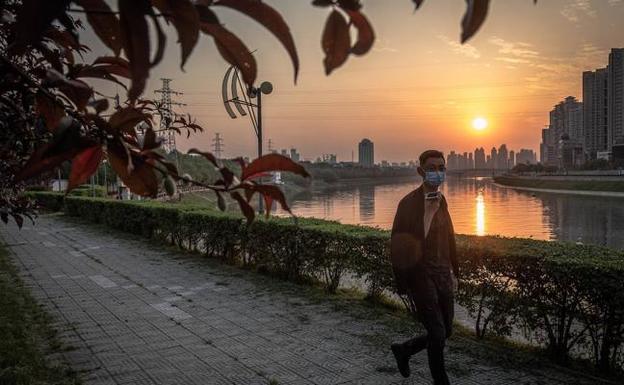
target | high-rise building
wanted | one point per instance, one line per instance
(452, 162)
(503, 157)
(366, 153)
(493, 158)
(565, 129)
(470, 161)
(595, 108)
(615, 95)
(525, 156)
(512, 159)
(479, 158)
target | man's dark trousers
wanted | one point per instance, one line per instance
(433, 304)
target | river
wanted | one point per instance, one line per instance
(479, 206)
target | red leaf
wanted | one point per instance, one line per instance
(269, 18)
(273, 162)
(211, 158)
(126, 118)
(99, 72)
(51, 111)
(274, 193)
(232, 49)
(84, 165)
(133, 170)
(135, 42)
(350, 5)
(160, 37)
(51, 155)
(104, 23)
(475, 15)
(77, 91)
(114, 65)
(247, 210)
(366, 35)
(336, 41)
(183, 15)
(322, 3)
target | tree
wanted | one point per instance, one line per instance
(50, 115)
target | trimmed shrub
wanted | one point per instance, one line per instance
(566, 297)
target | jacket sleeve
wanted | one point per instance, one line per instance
(405, 249)
(453, 248)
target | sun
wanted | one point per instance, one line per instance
(479, 124)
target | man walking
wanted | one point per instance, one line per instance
(425, 266)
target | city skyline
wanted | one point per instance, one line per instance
(406, 94)
(592, 128)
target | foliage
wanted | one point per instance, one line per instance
(26, 335)
(50, 115)
(564, 296)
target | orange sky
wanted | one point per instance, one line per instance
(418, 88)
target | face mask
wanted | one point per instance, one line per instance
(434, 178)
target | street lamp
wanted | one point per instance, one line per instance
(230, 88)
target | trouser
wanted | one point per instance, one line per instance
(433, 305)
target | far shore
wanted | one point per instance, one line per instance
(613, 194)
(570, 186)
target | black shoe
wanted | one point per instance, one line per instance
(402, 359)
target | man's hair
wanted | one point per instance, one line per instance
(429, 154)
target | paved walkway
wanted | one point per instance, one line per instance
(136, 313)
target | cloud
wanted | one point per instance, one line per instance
(462, 49)
(565, 72)
(383, 45)
(574, 9)
(514, 52)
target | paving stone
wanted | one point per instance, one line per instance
(137, 314)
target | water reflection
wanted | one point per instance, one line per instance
(480, 213)
(480, 207)
(367, 202)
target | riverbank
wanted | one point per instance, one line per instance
(568, 184)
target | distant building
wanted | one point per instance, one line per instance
(366, 153)
(566, 121)
(512, 159)
(329, 158)
(493, 158)
(479, 158)
(294, 155)
(595, 111)
(503, 157)
(384, 163)
(285, 152)
(615, 95)
(525, 156)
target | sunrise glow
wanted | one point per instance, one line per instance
(479, 124)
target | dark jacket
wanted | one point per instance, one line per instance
(407, 243)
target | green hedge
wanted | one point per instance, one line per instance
(567, 297)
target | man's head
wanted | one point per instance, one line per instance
(432, 168)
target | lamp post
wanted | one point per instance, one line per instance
(230, 91)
